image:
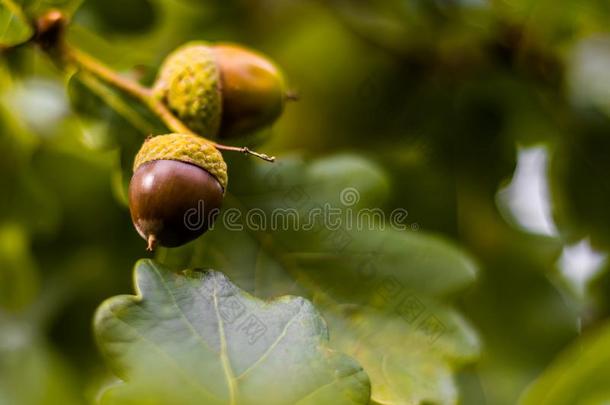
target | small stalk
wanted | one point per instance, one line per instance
(49, 35)
(151, 243)
(245, 150)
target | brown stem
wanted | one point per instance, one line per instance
(50, 29)
(91, 65)
(151, 243)
(144, 95)
(292, 95)
(245, 150)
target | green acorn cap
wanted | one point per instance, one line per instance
(189, 84)
(185, 148)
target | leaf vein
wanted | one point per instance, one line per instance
(170, 359)
(271, 347)
(226, 365)
(182, 314)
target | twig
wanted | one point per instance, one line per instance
(145, 96)
(245, 150)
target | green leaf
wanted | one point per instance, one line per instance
(14, 27)
(578, 376)
(38, 7)
(31, 373)
(436, 337)
(24, 192)
(199, 332)
(340, 259)
(376, 268)
(19, 281)
(579, 185)
(108, 120)
(107, 117)
(119, 17)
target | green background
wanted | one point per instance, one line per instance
(459, 106)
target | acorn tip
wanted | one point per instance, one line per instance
(151, 242)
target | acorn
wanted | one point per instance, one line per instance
(177, 188)
(221, 90)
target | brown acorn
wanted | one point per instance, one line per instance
(177, 189)
(221, 90)
(253, 90)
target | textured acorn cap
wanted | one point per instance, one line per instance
(185, 148)
(189, 84)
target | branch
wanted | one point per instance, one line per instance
(143, 94)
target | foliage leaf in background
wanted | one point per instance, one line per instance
(409, 360)
(195, 337)
(31, 372)
(14, 27)
(397, 280)
(579, 375)
(374, 292)
(119, 17)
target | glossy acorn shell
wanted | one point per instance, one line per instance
(252, 90)
(173, 202)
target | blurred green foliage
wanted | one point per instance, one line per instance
(434, 101)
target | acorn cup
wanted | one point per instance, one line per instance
(221, 90)
(177, 189)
